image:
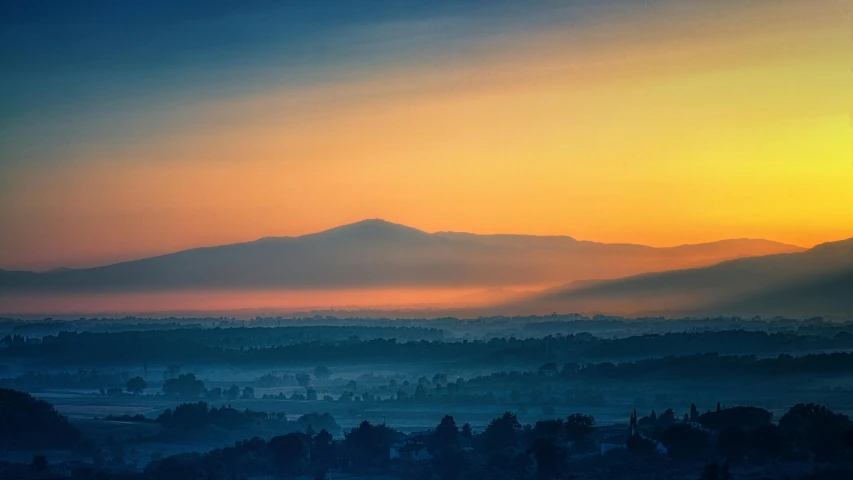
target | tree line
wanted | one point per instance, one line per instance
(712, 441)
(252, 346)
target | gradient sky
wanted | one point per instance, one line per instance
(134, 128)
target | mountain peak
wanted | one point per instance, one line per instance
(376, 222)
(370, 229)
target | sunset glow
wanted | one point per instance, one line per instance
(675, 124)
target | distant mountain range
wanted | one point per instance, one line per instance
(376, 253)
(815, 282)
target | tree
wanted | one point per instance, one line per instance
(171, 372)
(291, 453)
(248, 393)
(233, 393)
(715, 471)
(743, 417)
(322, 453)
(550, 458)
(421, 394)
(502, 432)
(136, 385)
(311, 394)
(450, 463)
(303, 379)
(523, 465)
(683, 441)
(732, 443)
(322, 373)
(694, 413)
(188, 416)
(555, 429)
(345, 397)
(579, 427)
(367, 445)
(466, 431)
(767, 442)
(632, 424)
(666, 418)
(175, 467)
(323, 421)
(185, 385)
(39, 463)
(445, 434)
(640, 446)
(815, 428)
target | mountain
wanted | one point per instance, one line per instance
(376, 253)
(815, 282)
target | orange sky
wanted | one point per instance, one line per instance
(678, 126)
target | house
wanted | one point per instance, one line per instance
(67, 468)
(412, 448)
(605, 447)
(409, 451)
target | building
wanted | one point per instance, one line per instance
(412, 448)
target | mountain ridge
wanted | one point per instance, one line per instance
(816, 281)
(376, 253)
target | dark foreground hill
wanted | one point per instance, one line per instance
(28, 423)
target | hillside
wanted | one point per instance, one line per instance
(818, 281)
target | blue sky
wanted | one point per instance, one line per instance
(78, 70)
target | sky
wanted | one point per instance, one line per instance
(130, 129)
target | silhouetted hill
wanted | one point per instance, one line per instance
(376, 253)
(818, 281)
(830, 295)
(29, 423)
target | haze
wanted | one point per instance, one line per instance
(426, 239)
